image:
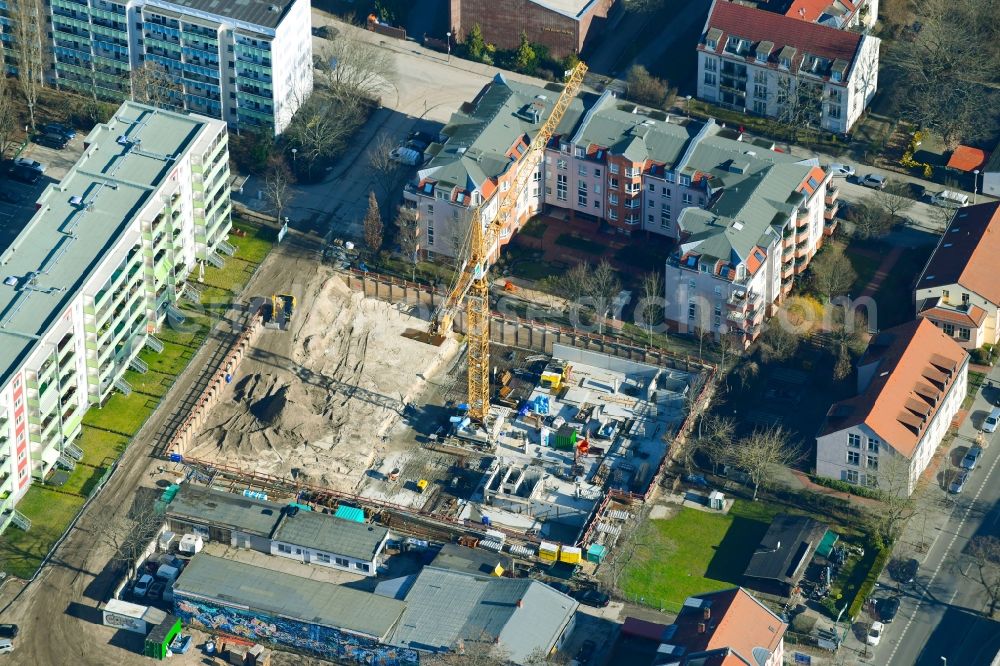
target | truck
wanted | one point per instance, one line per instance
(131, 617)
(282, 309)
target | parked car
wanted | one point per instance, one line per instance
(950, 199)
(844, 170)
(6, 646)
(592, 597)
(405, 155)
(875, 181)
(971, 458)
(958, 485)
(54, 141)
(141, 588)
(8, 630)
(8, 197)
(156, 590)
(990, 422)
(875, 633)
(887, 609)
(59, 128)
(29, 164)
(905, 571)
(586, 652)
(25, 174)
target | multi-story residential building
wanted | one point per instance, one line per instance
(248, 63)
(747, 219)
(911, 383)
(95, 271)
(760, 62)
(958, 290)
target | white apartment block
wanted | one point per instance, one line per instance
(94, 273)
(958, 290)
(766, 64)
(911, 382)
(248, 63)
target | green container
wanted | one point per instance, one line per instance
(566, 438)
(596, 553)
(160, 637)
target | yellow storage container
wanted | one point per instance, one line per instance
(548, 552)
(570, 555)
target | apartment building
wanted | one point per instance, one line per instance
(94, 273)
(911, 382)
(761, 62)
(840, 14)
(248, 63)
(958, 290)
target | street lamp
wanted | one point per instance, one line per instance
(687, 106)
(975, 185)
(294, 153)
(449, 45)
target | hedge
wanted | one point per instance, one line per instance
(850, 488)
(868, 586)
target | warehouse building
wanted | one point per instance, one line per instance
(315, 617)
(90, 278)
(563, 26)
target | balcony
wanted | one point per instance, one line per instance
(829, 227)
(832, 194)
(786, 270)
(802, 222)
(831, 210)
(801, 251)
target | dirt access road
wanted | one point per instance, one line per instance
(57, 613)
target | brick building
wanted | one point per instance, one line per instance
(564, 26)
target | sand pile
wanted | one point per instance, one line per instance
(313, 402)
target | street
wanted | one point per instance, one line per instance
(940, 613)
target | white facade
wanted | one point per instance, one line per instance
(327, 559)
(96, 300)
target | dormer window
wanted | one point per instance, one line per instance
(712, 44)
(786, 63)
(761, 56)
(835, 76)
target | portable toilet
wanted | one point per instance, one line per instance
(570, 555)
(596, 553)
(548, 552)
(716, 501)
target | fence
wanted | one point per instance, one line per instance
(210, 396)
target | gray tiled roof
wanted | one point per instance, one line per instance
(444, 607)
(266, 13)
(216, 507)
(331, 534)
(276, 592)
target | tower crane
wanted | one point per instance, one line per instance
(471, 285)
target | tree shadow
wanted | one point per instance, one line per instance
(735, 550)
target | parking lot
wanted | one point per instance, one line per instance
(17, 199)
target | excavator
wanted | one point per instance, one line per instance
(471, 285)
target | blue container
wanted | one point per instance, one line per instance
(486, 521)
(176, 457)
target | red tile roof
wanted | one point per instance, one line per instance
(973, 318)
(917, 364)
(967, 253)
(967, 158)
(735, 620)
(757, 25)
(811, 10)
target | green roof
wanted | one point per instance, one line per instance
(64, 242)
(282, 594)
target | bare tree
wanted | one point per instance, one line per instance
(623, 549)
(129, 533)
(652, 301)
(777, 343)
(761, 452)
(714, 440)
(388, 173)
(355, 69)
(153, 84)
(8, 111)
(800, 103)
(984, 569)
(28, 31)
(644, 88)
(603, 287)
(373, 225)
(870, 219)
(321, 127)
(830, 272)
(894, 198)
(408, 236)
(846, 339)
(892, 474)
(278, 188)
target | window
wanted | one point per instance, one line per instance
(871, 480)
(692, 309)
(718, 308)
(665, 218)
(340, 561)
(561, 187)
(597, 203)
(597, 188)
(692, 284)
(561, 164)
(581, 152)
(581, 198)
(652, 187)
(851, 476)
(760, 77)
(284, 548)
(963, 333)
(669, 176)
(712, 45)
(948, 328)
(785, 63)
(718, 292)
(667, 192)
(853, 458)
(651, 204)
(364, 567)
(833, 111)
(965, 298)
(613, 215)
(687, 197)
(430, 232)
(873, 444)
(711, 65)
(709, 79)
(597, 173)
(872, 462)
(650, 218)
(854, 441)
(582, 170)
(686, 181)
(613, 199)
(613, 169)
(760, 91)
(944, 295)
(613, 183)
(760, 107)
(835, 76)
(323, 557)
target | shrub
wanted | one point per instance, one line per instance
(850, 488)
(869, 584)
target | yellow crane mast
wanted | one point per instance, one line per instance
(472, 285)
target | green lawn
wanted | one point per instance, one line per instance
(534, 228)
(100, 447)
(974, 382)
(694, 552)
(581, 244)
(122, 414)
(864, 265)
(50, 511)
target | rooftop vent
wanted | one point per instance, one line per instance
(10, 281)
(75, 200)
(274, 8)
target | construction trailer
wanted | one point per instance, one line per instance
(158, 641)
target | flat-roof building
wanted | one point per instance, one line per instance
(217, 515)
(331, 621)
(90, 278)
(780, 561)
(325, 540)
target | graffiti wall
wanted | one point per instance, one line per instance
(301, 636)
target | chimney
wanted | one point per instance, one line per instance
(706, 613)
(701, 627)
(520, 603)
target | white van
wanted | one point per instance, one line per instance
(950, 199)
(167, 573)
